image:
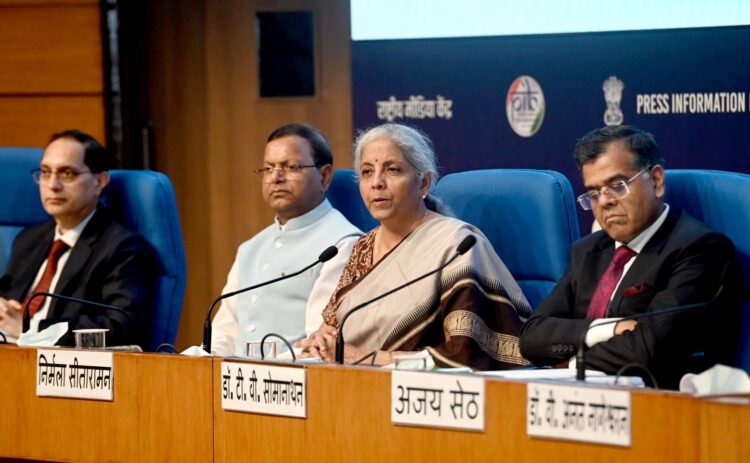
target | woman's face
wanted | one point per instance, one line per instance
(389, 185)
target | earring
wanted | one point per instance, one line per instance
(424, 196)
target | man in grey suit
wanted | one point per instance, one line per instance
(646, 258)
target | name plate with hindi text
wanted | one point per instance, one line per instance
(74, 374)
(585, 414)
(437, 400)
(265, 389)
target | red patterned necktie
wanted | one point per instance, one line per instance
(57, 250)
(608, 282)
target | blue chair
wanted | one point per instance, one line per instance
(20, 205)
(344, 196)
(529, 216)
(719, 199)
(143, 201)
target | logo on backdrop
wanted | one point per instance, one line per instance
(613, 96)
(416, 107)
(524, 106)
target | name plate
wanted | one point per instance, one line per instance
(75, 374)
(270, 390)
(585, 414)
(437, 400)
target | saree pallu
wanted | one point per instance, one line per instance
(468, 314)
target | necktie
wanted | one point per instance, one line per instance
(57, 250)
(608, 282)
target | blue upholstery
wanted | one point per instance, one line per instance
(529, 217)
(720, 200)
(344, 196)
(19, 197)
(143, 201)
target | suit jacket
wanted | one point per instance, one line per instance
(684, 262)
(108, 264)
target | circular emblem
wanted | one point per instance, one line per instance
(524, 106)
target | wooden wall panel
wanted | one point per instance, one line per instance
(210, 123)
(51, 74)
(50, 49)
(29, 121)
(177, 107)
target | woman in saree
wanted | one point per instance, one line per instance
(468, 314)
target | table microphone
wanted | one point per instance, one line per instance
(466, 244)
(326, 255)
(26, 316)
(581, 361)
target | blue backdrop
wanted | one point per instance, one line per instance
(688, 87)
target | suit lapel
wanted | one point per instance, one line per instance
(649, 258)
(79, 256)
(36, 256)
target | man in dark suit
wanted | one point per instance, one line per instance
(646, 258)
(81, 253)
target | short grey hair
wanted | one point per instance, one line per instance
(413, 143)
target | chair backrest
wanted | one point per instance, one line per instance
(529, 217)
(344, 196)
(144, 201)
(20, 205)
(719, 199)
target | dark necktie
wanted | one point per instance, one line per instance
(57, 250)
(608, 282)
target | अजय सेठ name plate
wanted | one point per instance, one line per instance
(437, 400)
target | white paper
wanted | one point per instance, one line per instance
(195, 351)
(717, 380)
(45, 338)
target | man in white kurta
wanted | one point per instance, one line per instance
(295, 176)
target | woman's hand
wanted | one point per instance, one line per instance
(321, 343)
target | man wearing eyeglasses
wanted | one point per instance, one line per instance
(296, 173)
(81, 253)
(646, 258)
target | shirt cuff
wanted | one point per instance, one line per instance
(597, 333)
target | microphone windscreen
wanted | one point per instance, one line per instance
(328, 254)
(466, 244)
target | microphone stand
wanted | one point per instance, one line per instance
(325, 256)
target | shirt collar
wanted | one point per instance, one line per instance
(308, 218)
(71, 236)
(639, 242)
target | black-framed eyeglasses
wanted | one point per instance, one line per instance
(66, 175)
(289, 170)
(615, 190)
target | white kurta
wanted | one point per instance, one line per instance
(275, 251)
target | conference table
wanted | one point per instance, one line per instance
(169, 408)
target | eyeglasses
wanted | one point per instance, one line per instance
(265, 174)
(615, 190)
(64, 175)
